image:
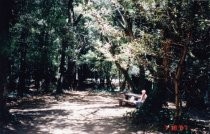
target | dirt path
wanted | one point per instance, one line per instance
(73, 113)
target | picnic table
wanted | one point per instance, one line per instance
(128, 99)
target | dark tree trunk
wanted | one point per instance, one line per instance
(126, 75)
(23, 52)
(166, 61)
(107, 69)
(70, 77)
(37, 78)
(22, 74)
(42, 69)
(44, 41)
(3, 74)
(62, 68)
(45, 61)
(108, 81)
(46, 75)
(208, 73)
(5, 9)
(141, 79)
(71, 12)
(163, 83)
(123, 85)
(177, 80)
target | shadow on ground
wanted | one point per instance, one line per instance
(73, 113)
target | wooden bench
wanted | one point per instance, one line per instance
(128, 99)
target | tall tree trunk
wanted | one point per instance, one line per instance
(166, 61)
(166, 64)
(177, 80)
(208, 55)
(3, 74)
(5, 9)
(208, 71)
(37, 78)
(23, 51)
(71, 73)
(141, 79)
(22, 74)
(62, 68)
(108, 82)
(46, 64)
(42, 69)
(70, 77)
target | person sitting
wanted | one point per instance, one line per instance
(133, 99)
(141, 100)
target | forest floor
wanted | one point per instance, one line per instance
(75, 112)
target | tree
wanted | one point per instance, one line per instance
(184, 29)
(5, 15)
(120, 39)
(69, 31)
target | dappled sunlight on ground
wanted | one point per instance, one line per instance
(72, 113)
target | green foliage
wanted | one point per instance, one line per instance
(167, 116)
(128, 33)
